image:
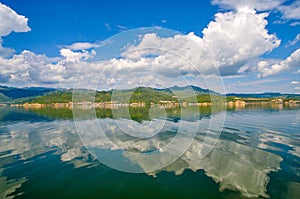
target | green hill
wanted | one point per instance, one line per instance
(141, 94)
(19, 93)
(4, 98)
(264, 95)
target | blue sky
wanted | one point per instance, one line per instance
(54, 23)
(44, 36)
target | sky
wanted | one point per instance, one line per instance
(250, 45)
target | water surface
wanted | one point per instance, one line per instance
(256, 156)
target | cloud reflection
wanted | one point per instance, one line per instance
(233, 165)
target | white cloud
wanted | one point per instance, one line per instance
(29, 68)
(234, 38)
(121, 27)
(71, 56)
(296, 23)
(168, 52)
(295, 82)
(257, 64)
(297, 88)
(10, 21)
(295, 41)
(231, 40)
(107, 26)
(260, 5)
(291, 11)
(291, 62)
(81, 46)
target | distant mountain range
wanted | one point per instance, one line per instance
(12, 94)
(263, 95)
(187, 89)
(4, 98)
(196, 90)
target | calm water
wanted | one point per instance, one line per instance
(257, 156)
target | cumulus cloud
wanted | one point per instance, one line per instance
(71, 56)
(234, 38)
(291, 62)
(256, 65)
(29, 68)
(10, 21)
(260, 5)
(81, 46)
(231, 40)
(288, 11)
(170, 52)
(291, 11)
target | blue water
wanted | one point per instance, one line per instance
(256, 156)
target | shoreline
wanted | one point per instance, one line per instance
(238, 103)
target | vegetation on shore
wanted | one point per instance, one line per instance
(149, 95)
(145, 95)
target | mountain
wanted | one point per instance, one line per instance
(188, 88)
(196, 89)
(263, 95)
(4, 98)
(140, 94)
(12, 93)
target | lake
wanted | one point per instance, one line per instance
(45, 154)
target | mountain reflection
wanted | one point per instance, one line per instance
(233, 165)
